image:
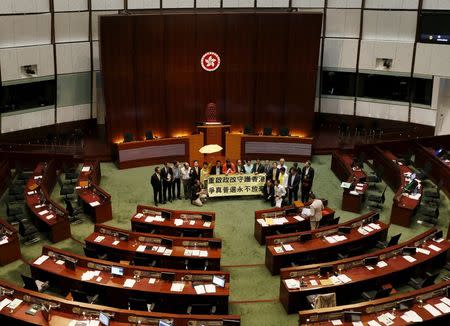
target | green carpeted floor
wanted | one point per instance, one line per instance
(254, 292)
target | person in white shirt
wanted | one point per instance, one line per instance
(185, 179)
(248, 167)
(282, 164)
(315, 208)
(283, 177)
(280, 193)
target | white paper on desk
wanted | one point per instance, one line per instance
(359, 188)
(40, 260)
(353, 192)
(149, 219)
(262, 222)
(344, 278)
(141, 248)
(210, 288)
(278, 249)
(433, 247)
(360, 184)
(192, 222)
(362, 231)
(99, 279)
(151, 280)
(4, 303)
(357, 323)
(203, 253)
(60, 262)
(187, 252)
(15, 303)
(416, 196)
(43, 212)
(314, 282)
(138, 215)
(99, 238)
(292, 283)
(161, 250)
(177, 287)
(116, 242)
(373, 323)
(49, 217)
(195, 252)
(409, 258)
(446, 301)
(158, 218)
(330, 239)
(443, 307)
(4, 240)
(39, 206)
(154, 248)
(283, 220)
(94, 323)
(178, 221)
(37, 177)
(439, 240)
(423, 251)
(374, 226)
(200, 289)
(129, 283)
(335, 280)
(367, 228)
(381, 264)
(369, 267)
(288, 247)
(299, 218)
(340, 237)
(432, 310)
(336, 322)
(96, 273)
(94, 203)
(167, 252)
(31, 192)
(413, 316)
(86, 169)
(207, 224)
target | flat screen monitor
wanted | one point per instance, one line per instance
(167, 276)
(369, 261)
(164, 323)
(305, 237)
(70, 263)
(375, 218)
(103, 319)
(345, 229)
(166, 215)
(123, 236)
(166, 242)
(115, 270)
(324, 270)
(219, 281)
(206, 218)
(352, 316)
(438, 235)
(409, 251)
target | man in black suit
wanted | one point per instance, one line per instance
(274, 173)
(258, 167)
(293, 185)
(268, 192)
(156, 182)
(195, 172)
(216, 169)
(307, 181)
(167, 177)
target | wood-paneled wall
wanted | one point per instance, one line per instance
(153, 79)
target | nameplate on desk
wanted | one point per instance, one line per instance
(94, 203)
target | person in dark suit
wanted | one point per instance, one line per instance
(239, 167)
(195, 172)
(216, 169)
(156, 182)
(268, 192)
(293, 185)
(258, 167)
(167, 178)
(273, 173)
(307, 181)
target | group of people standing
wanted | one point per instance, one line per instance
(283, 183)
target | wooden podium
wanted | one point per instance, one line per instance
(214, 133)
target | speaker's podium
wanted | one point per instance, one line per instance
(213, 130)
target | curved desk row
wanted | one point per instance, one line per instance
(324, 244)
(47, 215)
(149, 219)
(349, 277)
(170, 290)
(157, 250)
(64, 312)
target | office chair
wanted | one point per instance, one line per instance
(267, 131)
(201, 309)
(350, 252)
(191, 233)
(434, 193)
(248, 130)
(424, 173)
(143, 228)
(377, 200)
(128, 137)
(325, 300)
(13, 210)
(418, 282)
(73, 213)
(66, 190)
(392, 242)
(28, 232)
(335, 221)
(30, 283)
(92, 253)
(376, 294)
(140, 304)
(70, 174)
(284, 131)
(149, 135)
(84, 297)
(144, 261)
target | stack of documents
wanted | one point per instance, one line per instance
(299, 218)
(40, 260)
(409, 258)
(423, 251)
(386, 318)
(367, 228)
(178, 222)
(138, 215)
(335, 238)
(262, 222)
(292, 283)
(14, 304)
(288, 247)
(129, 283)
(362, 231)
(4, 303)
(210, 288)
(200, 289)
(86, 169)
(435, 248)
(43, 212)
(381, 264)
(278, 249)
(167, 252)
(158, 218)
(89, 275)
(344, 278)
(375, 226)
(141, 248)
(432, 310)
(177, 287)
(411, 317)
(94, 203)
(207, 224)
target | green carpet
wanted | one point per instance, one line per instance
(254, 292)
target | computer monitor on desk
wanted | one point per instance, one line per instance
(117, 271)
(103, 319)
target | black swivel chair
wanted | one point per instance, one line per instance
(392, 242)
(140, 304)
(376, 294)
(66, 189)
(29, 232)
(201, 309)
(267, 131)
(284, 131)
(377, 200)
(418, 282)
(248, 130)
(149, 135)
(92, 253)
(32, 284)
(144, 261)
(128, 137)
(84, 297)
(73, 212)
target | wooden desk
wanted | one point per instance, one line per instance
(148, 152)
(292, 224)
(5, 176)
(47, 215)
(65, 311)
(127, 250)
(96, 201)
(319, 249)
(403, 208)
(193, 223)
(397, 272)
(370, 310)
(341, 165)
(214, 134)
(9, 251)
(111, 289)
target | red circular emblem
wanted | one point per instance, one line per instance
(210, 61)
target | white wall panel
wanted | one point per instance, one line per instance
(344, 3)
(25, 30)
(95, 21)
(423, 116)
(64, 114)
(272, 3)
(73, 113)
(382, 110)
(71, 27)
(389, 25)
(343, 23)
(400, 53)
(208, 3)
(336, 105)
(308, 3)
(238, 3)
(340, 53)
(392, 4)
(143, 4)
(436, 4)
(28, 120)
(95, 56)
(107, 4)
(70, 5)
(73, 57)
(178, 3)
(432, 59)
(24, 6)
(12, 59)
